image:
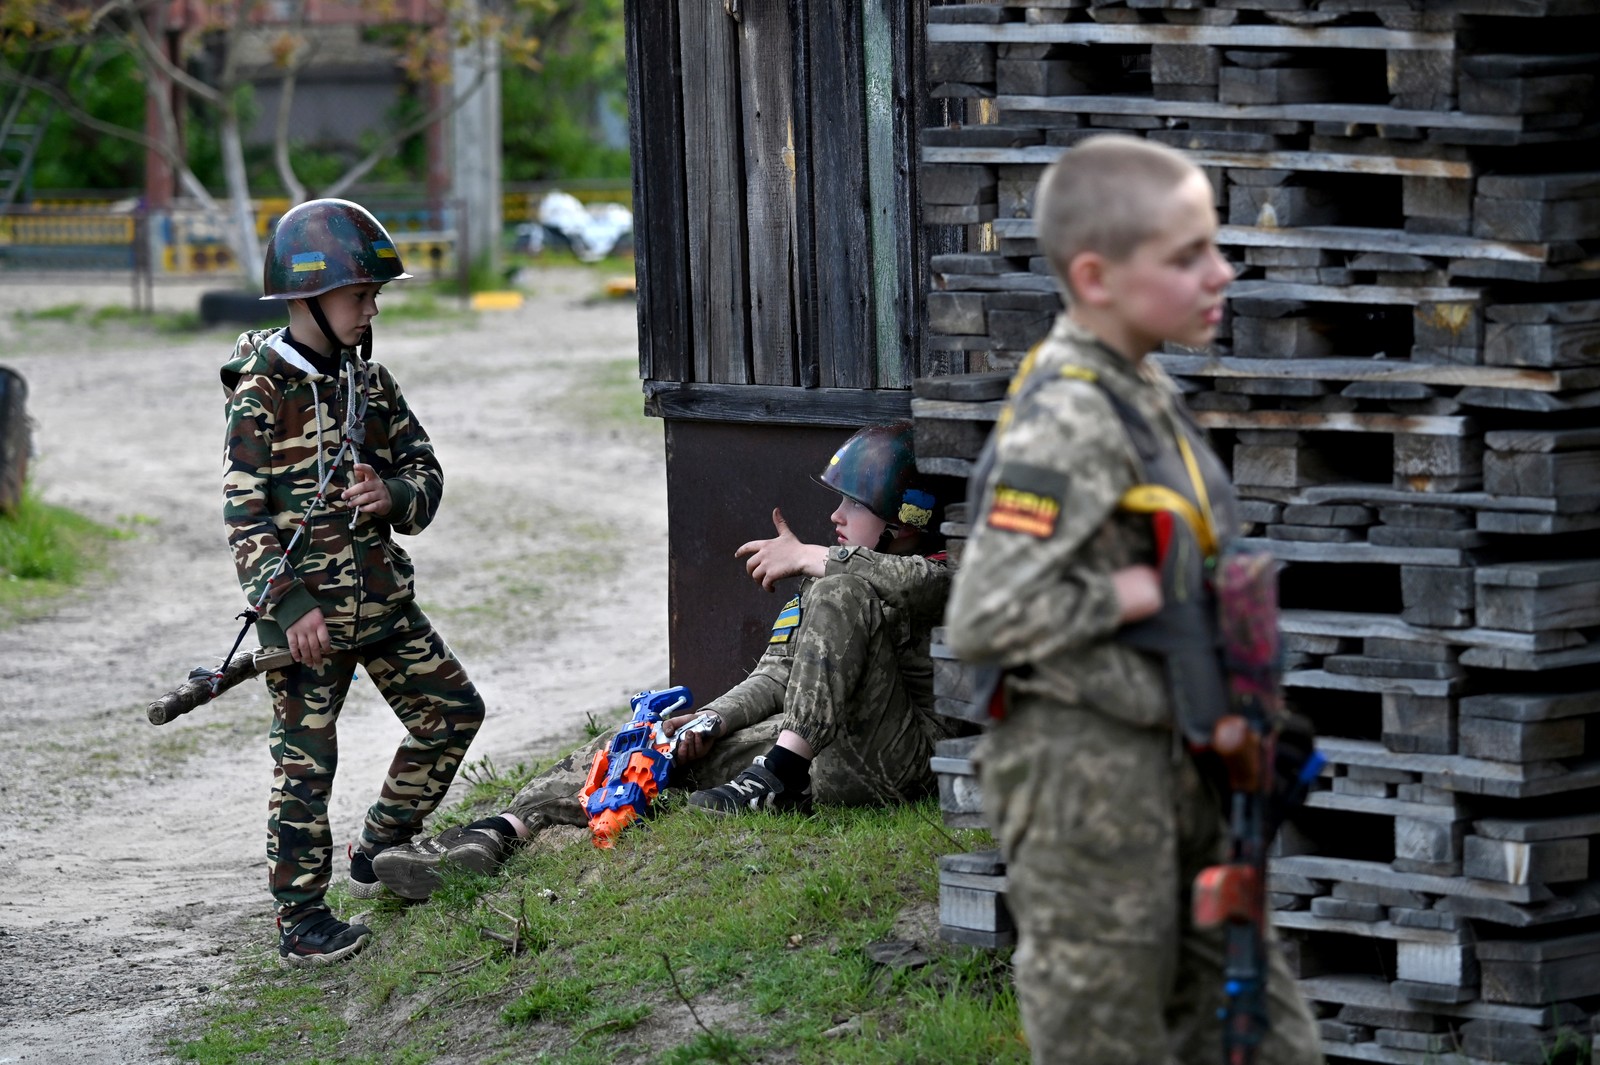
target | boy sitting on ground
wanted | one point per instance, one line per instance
(839, 709)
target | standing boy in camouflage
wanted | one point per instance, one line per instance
(319, 436)
(1102, 816)
(845, 680)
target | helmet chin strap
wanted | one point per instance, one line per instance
(314, 304)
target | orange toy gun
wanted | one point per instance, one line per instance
(625, 778)
(1270, 768)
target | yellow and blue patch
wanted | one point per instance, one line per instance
(306, 261)
(788, 621)
(385, 250)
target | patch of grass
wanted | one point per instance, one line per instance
(759, 924)
(117, 316)
(425, 304)
(44, 550)
(611, 396)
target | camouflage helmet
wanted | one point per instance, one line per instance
(322, 245)
(878, 469)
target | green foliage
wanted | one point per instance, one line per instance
(73, 156)
(43, 547)
(548, 115)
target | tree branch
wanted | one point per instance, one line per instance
(398, 137)
(151, 50)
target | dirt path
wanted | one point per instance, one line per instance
(131, 860)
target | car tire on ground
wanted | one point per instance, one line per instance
(221, 306)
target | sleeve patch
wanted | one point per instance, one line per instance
(1027, 499)
(788, 621)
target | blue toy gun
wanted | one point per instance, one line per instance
(625, 778)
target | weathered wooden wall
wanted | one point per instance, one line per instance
(775, 191)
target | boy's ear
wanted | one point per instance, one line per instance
(1086, 275)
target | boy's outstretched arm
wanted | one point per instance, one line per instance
(1023, 592)
(770, 561)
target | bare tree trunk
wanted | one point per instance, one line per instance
(280, 138)
(247, 244)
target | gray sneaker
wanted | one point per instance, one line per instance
(413, 870)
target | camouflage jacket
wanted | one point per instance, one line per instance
(1034, 594)
(913, 589)
(281, 415)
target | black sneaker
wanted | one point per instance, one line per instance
(363, 882)
(320, 939)
(757, 788)
(413, 870)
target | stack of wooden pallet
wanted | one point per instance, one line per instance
(1407, 390)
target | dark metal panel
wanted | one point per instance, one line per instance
(723, 482)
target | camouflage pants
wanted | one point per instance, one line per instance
(420, 678)
(840, 685)
(1104, 827)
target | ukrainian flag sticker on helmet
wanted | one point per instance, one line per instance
(385, 250)
(916, 508)
(308, 260)
(835, 460)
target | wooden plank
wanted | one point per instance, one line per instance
(1373, 991)
(1532, 830)
(1325, 162)
(1339, 369)
(661, 241)
(1310, 922)
(1339, 422)
(1324, 680)
(1305, 112)
(766, 69)
(878, 19)
(1542, 441)
(709, 48)
(1387, 294)
(1360, 872)
(840, 196)
(775, 405)
(1367, 554)
(1370, 753)
(1352, 625)
(1217, 36)
(1575, 503)
(807, 359)
(1344, 238)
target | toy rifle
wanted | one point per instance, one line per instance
(1270, 769)
(626, 777)
(205, 684)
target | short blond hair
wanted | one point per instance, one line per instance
(1103, 196)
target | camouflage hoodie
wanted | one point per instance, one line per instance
(284, 421)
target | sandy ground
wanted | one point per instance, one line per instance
(131, 857)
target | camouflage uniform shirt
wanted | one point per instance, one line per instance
(282, 415)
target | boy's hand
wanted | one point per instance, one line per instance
(694, 745)
(308, 639)
(782, 556)
(1138, 592)
(368, 493)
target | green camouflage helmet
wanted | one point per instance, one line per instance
(322, 245)
(878, 469)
